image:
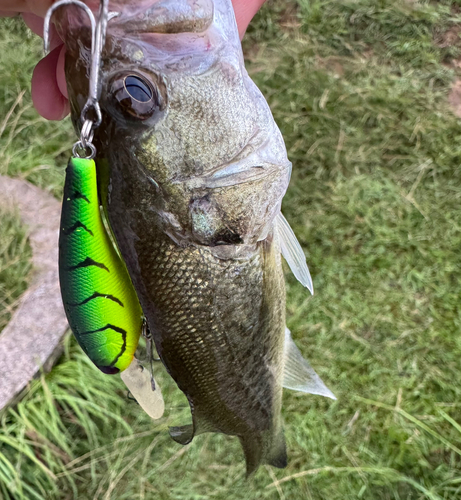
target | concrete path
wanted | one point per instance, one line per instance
(31, 340)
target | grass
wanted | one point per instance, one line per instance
(15, 255)
(30, 147)
(360, 91)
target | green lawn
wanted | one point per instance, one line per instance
(360, 91)
(15, 255)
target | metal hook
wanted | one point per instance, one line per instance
(95, 88)
(149, 350)
(98, 36)
(50, 12)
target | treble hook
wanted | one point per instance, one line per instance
(95, 88)
(98, 35)
(146, 333)
(50, 12)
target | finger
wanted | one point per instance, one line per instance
(38, 7)
(35, 24)
(46, 95)
(244, 13)
(4, 13)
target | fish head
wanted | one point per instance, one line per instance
(186, 138)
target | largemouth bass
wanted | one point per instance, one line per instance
(192, 171)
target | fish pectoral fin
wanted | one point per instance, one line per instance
(298, 375)
(293, 253)
(139, 382)
(182, 435)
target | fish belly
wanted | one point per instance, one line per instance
(219, 326)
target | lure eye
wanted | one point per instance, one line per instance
(135, 96)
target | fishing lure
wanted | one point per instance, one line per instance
(100, 302)
(99, 299)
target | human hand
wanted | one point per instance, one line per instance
(49, 91)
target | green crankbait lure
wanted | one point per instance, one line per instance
(100, 302)
(99, 299)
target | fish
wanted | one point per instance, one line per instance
(192, 170)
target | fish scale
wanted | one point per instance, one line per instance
(202, 328)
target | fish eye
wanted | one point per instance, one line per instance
(138, 89)
(134, 96)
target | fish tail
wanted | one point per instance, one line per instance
(264, 449)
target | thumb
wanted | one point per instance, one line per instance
(244, 13)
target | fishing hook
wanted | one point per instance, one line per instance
(98, 36)
(95, 88)
(145, 332)
(50, 12)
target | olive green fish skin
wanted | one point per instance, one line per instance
(99, 299)
(191, 193)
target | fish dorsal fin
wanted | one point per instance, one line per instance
(298, 374)
(138, 380)
(293, 253)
